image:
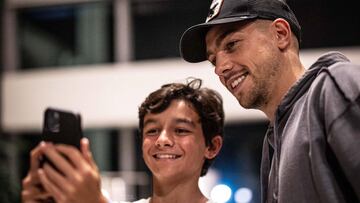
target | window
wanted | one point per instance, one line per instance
(65, 35)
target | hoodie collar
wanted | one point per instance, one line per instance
(302, 85)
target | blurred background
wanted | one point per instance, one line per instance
(102, 57)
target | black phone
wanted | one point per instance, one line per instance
(61, 126)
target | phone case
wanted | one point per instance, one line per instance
(61, 126)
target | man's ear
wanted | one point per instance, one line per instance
(214, 149)
(283, 33)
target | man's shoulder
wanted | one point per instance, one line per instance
(344, 69)
(344, 76)
(335, 89)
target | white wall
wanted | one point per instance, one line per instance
(109, 95)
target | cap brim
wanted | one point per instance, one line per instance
(192, 42)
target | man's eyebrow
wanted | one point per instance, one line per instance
(221, 38)
(224, 34)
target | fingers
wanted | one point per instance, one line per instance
(85, 149)
(74, 156)
(74, 170)
(49, 185)
(75, 163)
(32, 189)
(35, 155)
(33, 194)
(83, 184)
(28, 181)
(60, 162)
(55, 177)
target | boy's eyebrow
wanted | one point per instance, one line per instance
(186, 121)
(149, 121)
(176, 121)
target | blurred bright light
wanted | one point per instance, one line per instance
(105, 193)
(206, 183)
(243, 195)
(220, 193)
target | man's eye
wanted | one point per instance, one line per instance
(213, 62)
(230, 45)
(212, 59)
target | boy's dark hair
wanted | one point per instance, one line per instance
(206, 102)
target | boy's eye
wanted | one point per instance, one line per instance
(182, 131)
(151, 132)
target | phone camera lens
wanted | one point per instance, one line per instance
(54, 122)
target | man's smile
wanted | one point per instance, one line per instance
(235, 81)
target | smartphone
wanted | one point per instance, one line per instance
(61, 126)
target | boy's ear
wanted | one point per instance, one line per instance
(213, 150)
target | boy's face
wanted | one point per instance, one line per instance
(173, 142)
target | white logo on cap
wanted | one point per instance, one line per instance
(214, 9)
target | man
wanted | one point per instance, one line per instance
(310, 151)
(181, 128)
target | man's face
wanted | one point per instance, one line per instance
(246, 60)
(173, 142)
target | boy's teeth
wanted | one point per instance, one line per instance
(165, 156)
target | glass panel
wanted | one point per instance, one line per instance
(238, 163)
(65, 35)
(158, 25)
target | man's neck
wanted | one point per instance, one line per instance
(293, 71)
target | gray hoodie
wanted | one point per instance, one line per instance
(312, 151)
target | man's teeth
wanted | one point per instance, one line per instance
(166, 156)
(238, 81)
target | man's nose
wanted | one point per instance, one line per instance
(223, 64)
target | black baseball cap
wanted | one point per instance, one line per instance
(192, 43)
